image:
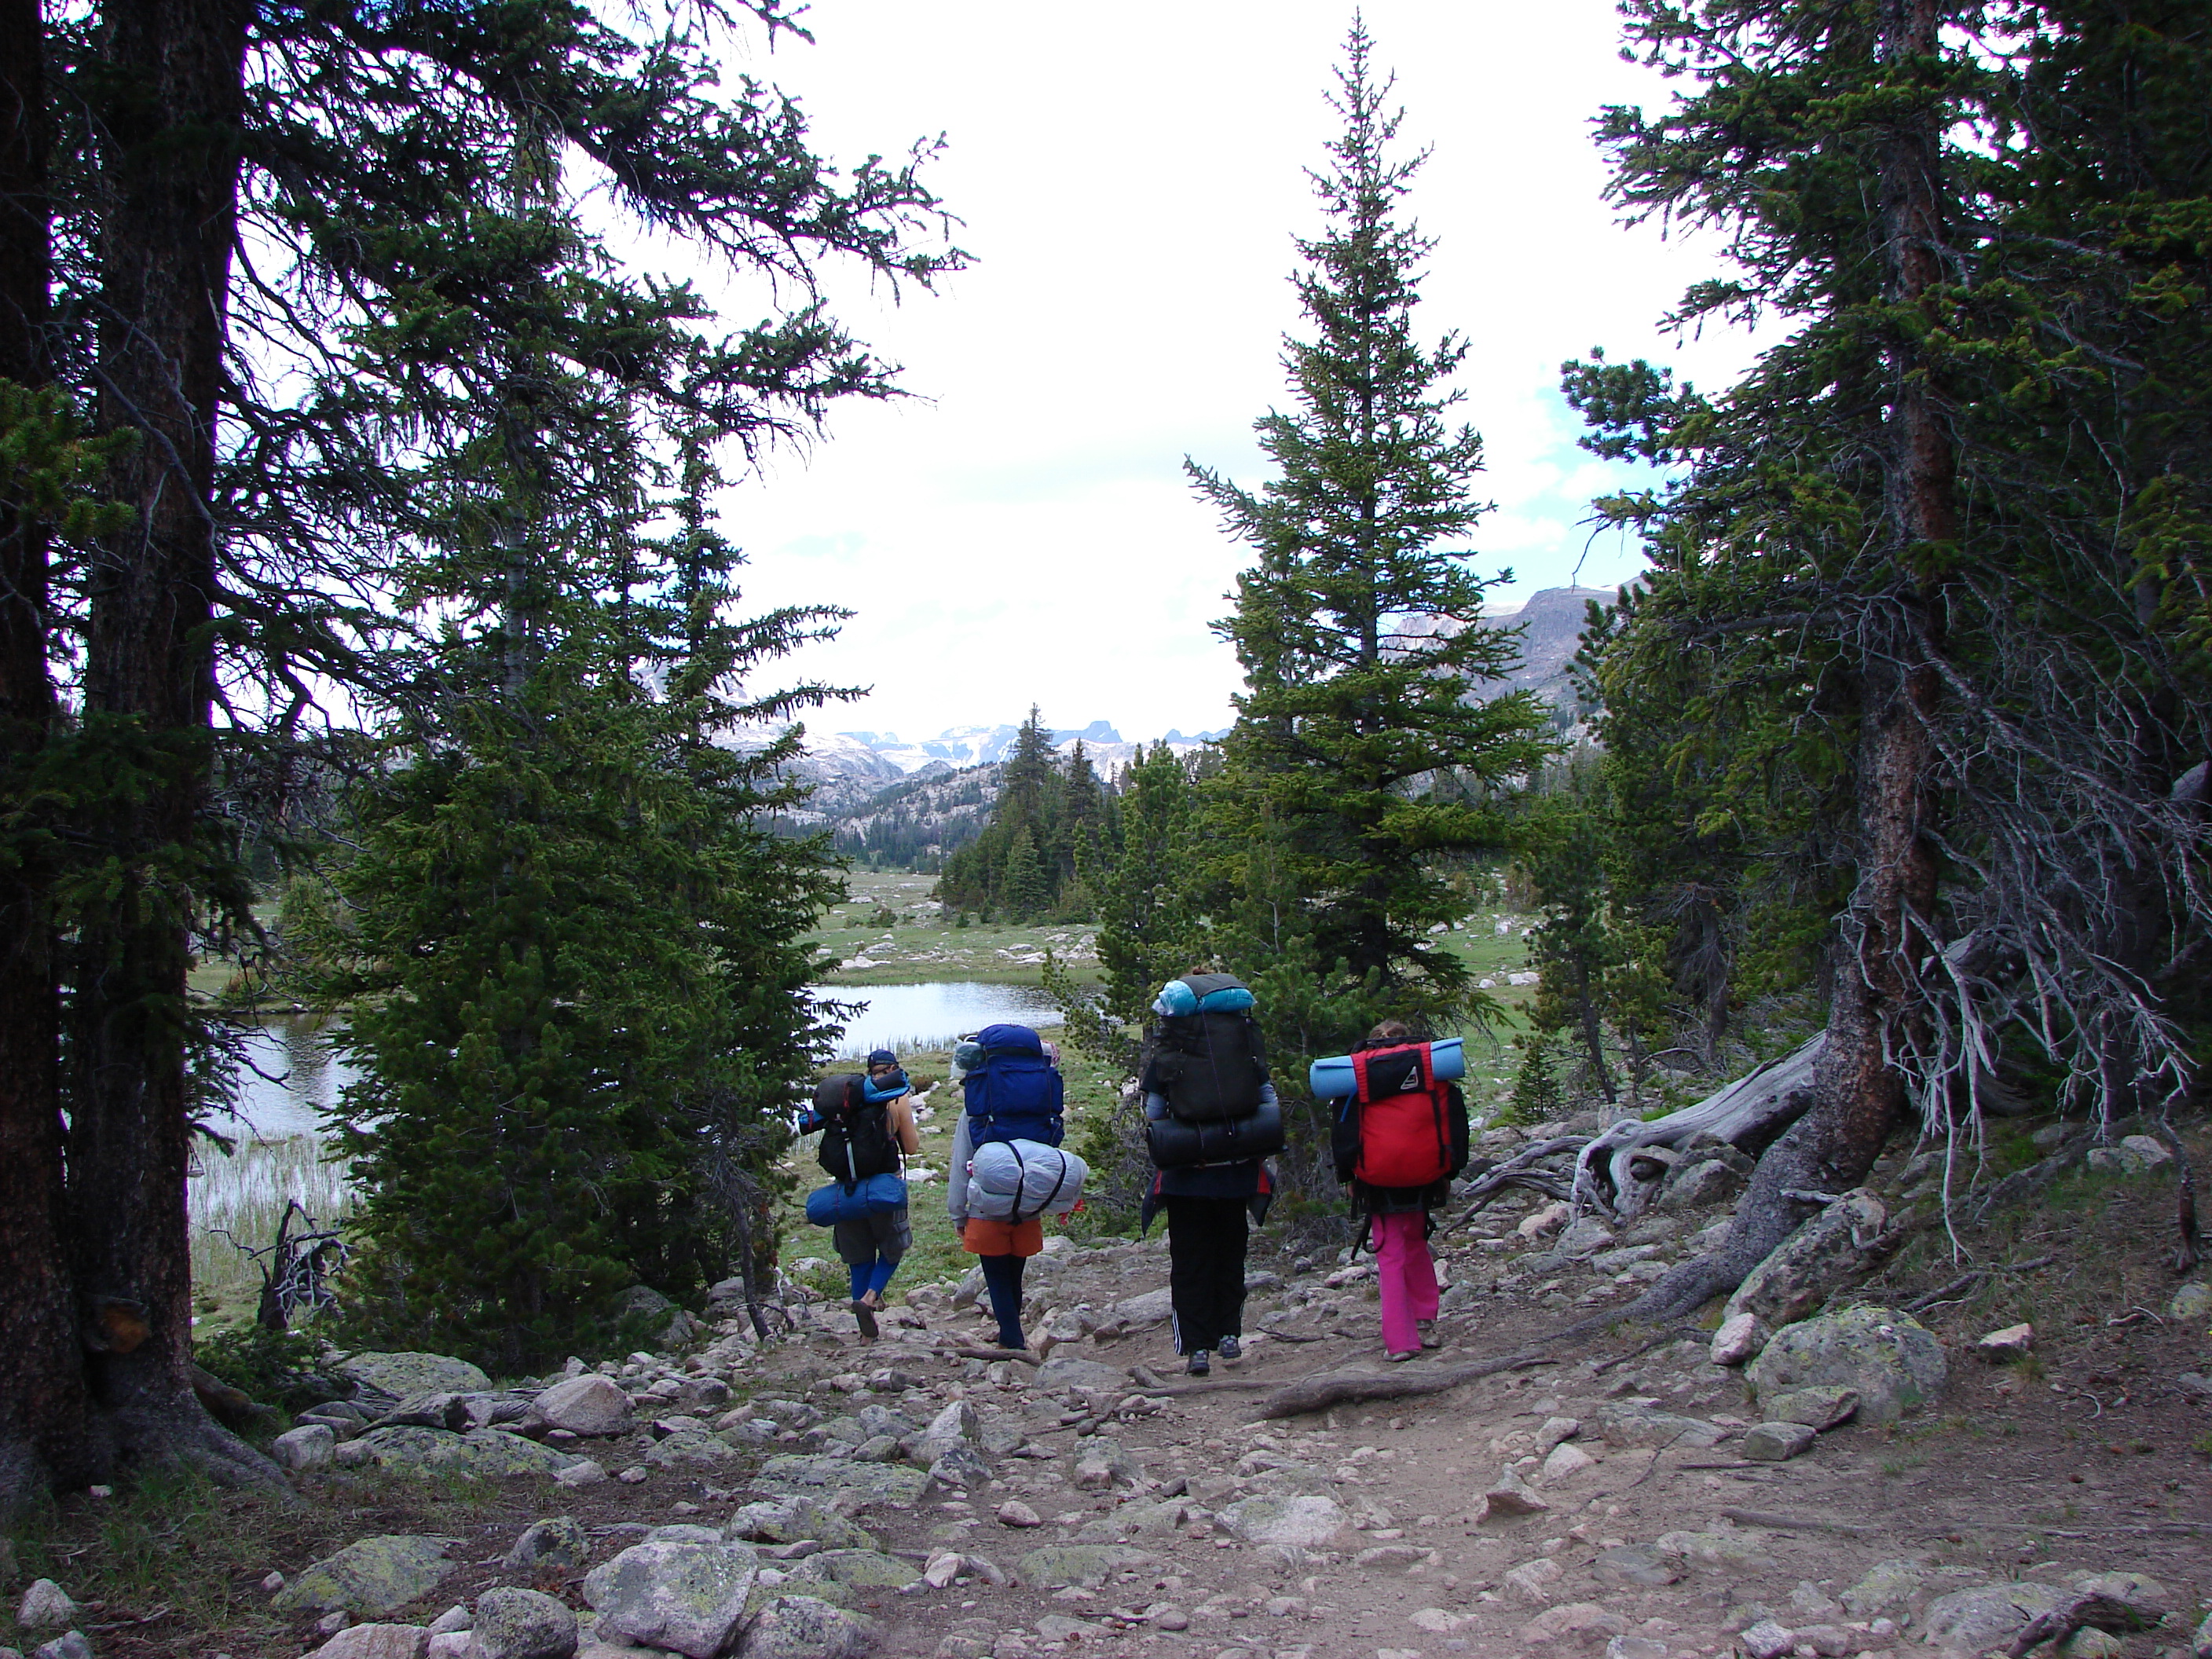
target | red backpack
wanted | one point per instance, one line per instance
(1411, 1129)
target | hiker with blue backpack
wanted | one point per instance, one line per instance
(1211, 1121)
(1007, 1170)
(867, 1128)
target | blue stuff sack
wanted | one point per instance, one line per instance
(1016, 1094)
(878, 1194)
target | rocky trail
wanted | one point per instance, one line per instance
(1858, 1482)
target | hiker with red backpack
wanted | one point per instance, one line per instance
(1400, 1136)
(1210, 1120)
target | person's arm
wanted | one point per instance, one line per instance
(902, 1127)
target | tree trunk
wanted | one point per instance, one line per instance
(1876, 1013)
(170, 170)
(44, 1425)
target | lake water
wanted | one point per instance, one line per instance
(296, 1074)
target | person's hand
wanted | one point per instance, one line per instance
(960, 1228)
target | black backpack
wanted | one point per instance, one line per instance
(1210, 1066)
(856, 1132)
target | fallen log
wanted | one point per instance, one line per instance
(1021, 1354)
(1749, 1113)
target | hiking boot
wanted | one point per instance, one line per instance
(1231, 1348)
(1401, 1359)
(1428, 1337)
(867, 1315)
(1199, 1364)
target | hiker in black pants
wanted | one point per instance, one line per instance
(1208, 1206)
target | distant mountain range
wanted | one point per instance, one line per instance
(903, 801)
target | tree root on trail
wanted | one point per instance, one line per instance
(1023, 1355)
(1673, 1333)
(1797, 1523)
(1518, 1170)
(1319, 1393)
(2068, 1616)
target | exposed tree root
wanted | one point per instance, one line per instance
(1797, 1523)
(1618, 1170)
(151, 1436)
(1315, 1393)
(1920, 1303)
(1022, 1355)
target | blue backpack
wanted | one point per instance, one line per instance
(1015, 1095)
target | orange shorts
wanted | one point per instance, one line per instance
(981, 1237)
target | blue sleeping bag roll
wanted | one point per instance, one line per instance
(1334, 1079)
(875, 1195)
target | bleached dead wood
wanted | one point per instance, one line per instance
(1752, 1110)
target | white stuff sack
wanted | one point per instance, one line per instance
(1014, 1180)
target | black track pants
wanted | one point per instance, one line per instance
(1205, 1269)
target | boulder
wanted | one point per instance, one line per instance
(2192, 1302)
(2135, 1601)
(46, 1606)
(521, 1624)
(961, 1465)
(804, 1627)
(1707, 1175)
(1765, 1639)
(1058, 1566)
(376, 1641)
(696, 1448)
(2200, 1644)
(791, 1520)
(559, 1544)
(310, 1447)
(888, 1483)
(1828, 1252)
(481, 1454)
(859, 1570)
(589, 1405)
(1887, 1588)
(1309, 1523)
(689, 1598)
(1626, 1424)
(1150, 1309)
(1819, 1408)
(1064, 1371)
(1101, 1462)
(1888, 1358)
(374, 1576)
(1740, 1339)
(1987, 1616)
(402, 1375)
(1777, 1443)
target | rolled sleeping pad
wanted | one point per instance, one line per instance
(1014, 1180)
(1177, 1144)
(1334, 1079)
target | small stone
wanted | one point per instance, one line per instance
(1777, 1443)
(1564, 1461)
(1766, 1640)
(1573, 1618)
(1635, 1647)
(2201, 1644)
(1819, 1408)
(332, 1622)
(1531, 1581)
(70, 1644)
(312, 1447)
(46, 1606)
(1307, 1521)
(1438, 1621)
(635, 1474)
(587, 1404)
(1510, 1496)
(273, 1582)
(2192, 1302)
(1634, 1564)
(2007, 1344)
(1015, 1513)
(1740, 1339)
(455, 1618)
(1170, 1619)
(942, 1569)
(1555, 1430)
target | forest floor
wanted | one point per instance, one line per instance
(2089, 1454)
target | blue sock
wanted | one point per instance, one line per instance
(879, 1276)
(860, 1270)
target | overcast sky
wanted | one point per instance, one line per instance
(1129, 180)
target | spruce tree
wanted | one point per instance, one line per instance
(1360, 625)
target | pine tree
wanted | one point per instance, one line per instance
(1359, 629)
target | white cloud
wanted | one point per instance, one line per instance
(1131, 181)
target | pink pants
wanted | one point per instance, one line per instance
(1407, 1278)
